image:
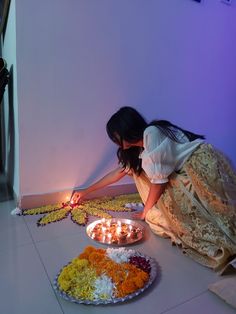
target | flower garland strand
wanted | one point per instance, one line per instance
(79, 214)
(104, 274)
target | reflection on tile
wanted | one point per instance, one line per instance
(24, 286)
(13, 237)
(5, 212)
(53, 230)
(13, 230)
(205, 303)
(6, 193)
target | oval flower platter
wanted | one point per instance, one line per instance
(105, 276)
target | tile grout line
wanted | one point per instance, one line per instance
(181, 303)
(40, 258)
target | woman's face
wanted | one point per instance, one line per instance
(126, 145)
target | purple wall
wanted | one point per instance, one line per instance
(78, 61)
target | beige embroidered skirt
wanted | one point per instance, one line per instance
(198, 208)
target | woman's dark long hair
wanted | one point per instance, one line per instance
(127, 124)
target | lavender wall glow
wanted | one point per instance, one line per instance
(79, 61)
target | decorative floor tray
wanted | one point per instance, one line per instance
(115, 231)
(98, 276)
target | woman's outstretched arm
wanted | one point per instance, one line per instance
(112, 177)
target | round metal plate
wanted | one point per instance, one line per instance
(100, 231)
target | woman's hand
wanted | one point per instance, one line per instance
(112, 177)
(153, 196)
(78, 196)
(140, 216)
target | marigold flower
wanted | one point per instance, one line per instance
(95, 258)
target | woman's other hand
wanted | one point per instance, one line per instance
(139, 216)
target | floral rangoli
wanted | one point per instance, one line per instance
(79, 214)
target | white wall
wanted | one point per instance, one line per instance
(80, 60)
(11, 131)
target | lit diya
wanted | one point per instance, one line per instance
(115, 231)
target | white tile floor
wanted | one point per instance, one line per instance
(31, 256)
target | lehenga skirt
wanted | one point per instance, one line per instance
(198, 208)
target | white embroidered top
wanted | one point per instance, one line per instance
(162, 156)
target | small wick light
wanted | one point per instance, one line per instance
(109, 236)
(104, 229)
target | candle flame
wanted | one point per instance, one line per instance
(118, 230)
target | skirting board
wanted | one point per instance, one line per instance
(33, 201)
